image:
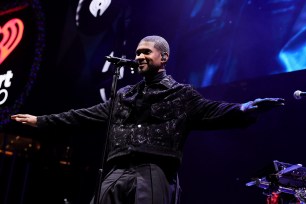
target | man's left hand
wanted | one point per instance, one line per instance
(262, 104)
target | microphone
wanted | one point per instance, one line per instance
(299, 94)
(122, 61)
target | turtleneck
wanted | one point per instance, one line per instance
(155, 78)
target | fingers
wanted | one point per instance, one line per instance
(20, 117)
(24, 118)
(278, 101)
(269, 101)
(281, 101)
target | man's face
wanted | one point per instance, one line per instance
(149, 58)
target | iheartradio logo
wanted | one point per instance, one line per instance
(11, 34)
(22, 41)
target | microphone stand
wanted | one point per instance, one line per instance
(116, 75)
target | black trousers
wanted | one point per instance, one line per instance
(141, 184)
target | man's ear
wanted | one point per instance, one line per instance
(164, 56)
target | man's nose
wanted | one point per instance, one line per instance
(140, 57)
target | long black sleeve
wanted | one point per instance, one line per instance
(93, 115)
(209, 114)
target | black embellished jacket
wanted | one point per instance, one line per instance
(155, 119)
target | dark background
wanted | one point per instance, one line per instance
(229, 50)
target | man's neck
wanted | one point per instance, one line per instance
(152, 79)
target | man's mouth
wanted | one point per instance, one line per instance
(141, 65)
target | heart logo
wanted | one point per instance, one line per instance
(11, 34)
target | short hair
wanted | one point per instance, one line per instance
(159, 43)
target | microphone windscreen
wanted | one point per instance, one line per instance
(297, 94)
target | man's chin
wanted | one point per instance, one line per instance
(142, 71)
(146, 71)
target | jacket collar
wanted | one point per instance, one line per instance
(167, 82)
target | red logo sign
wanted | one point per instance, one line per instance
(11, 34)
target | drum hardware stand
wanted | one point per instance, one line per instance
(288, 179)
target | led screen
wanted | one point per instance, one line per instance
(212, 42)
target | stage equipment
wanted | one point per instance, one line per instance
(286, 178)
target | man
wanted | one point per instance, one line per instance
(150, 123)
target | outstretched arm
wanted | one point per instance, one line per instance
(25, 119)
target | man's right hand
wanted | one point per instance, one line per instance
(25, 119)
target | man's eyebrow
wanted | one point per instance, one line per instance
(142, 50)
